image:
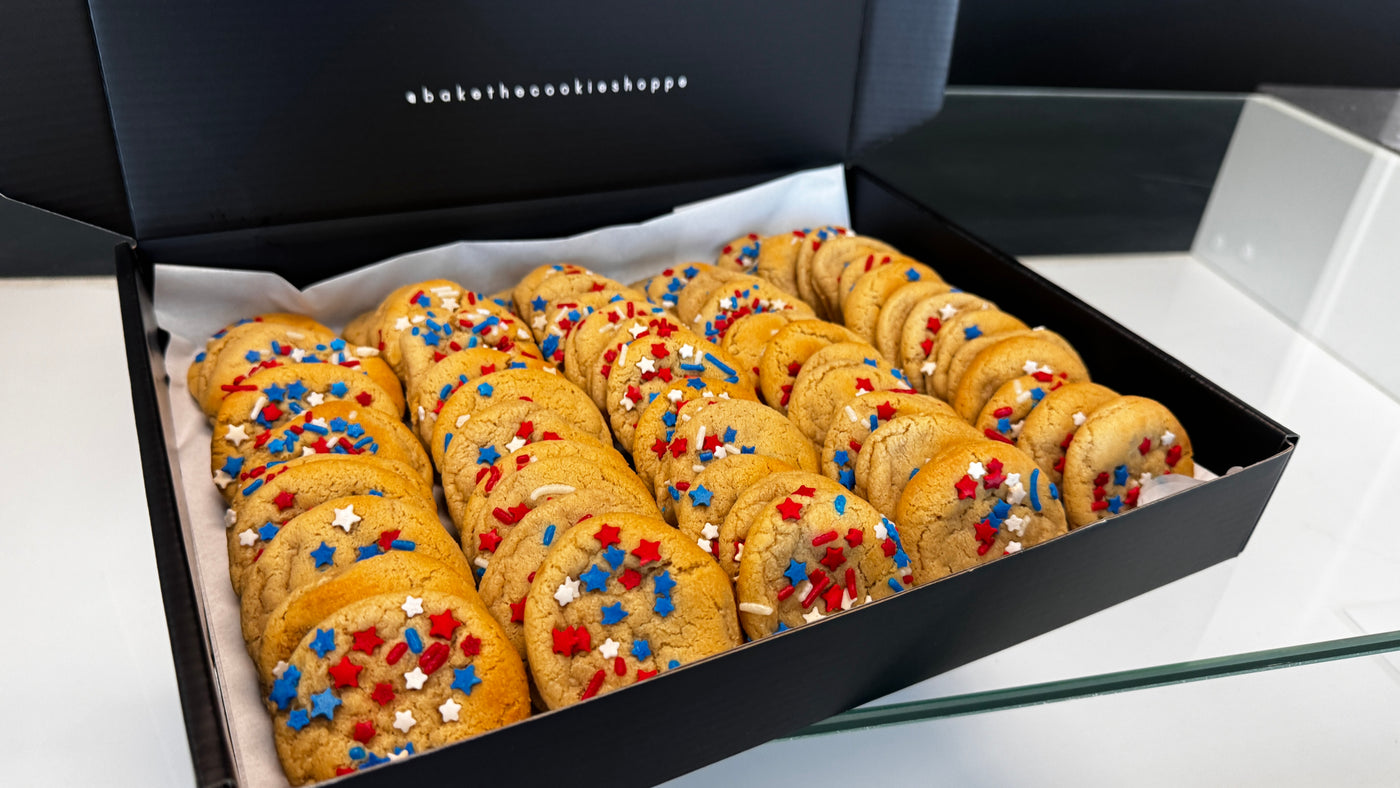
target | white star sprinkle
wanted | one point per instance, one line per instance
(608, 648)
(948, 311)
(345, 518)
(738, 552)
(538, 322)
(1168, 438)
(567, 591)
(279, 669)
(710, 531)
(449, 710)
(248, 537)
(928, 367)
(402, 324)
(315, 398)
(1016, 429)
(646, 365)
(704, 544)
(778, 305)
(637, 331)
(403, 720)
(307, 451)
(1079, 418)
(675, 396)
(686, 351)
(398, 756)
(414, 679)
(881, 532)
(1013, 547)
(515, 444)
(1145, 477)
(230, 518)
(236, 435)
(222, 479)
(412, 605)
(298, 354)
(1030, 367)
(1016, 524)
(628, 404)
(1015, 493)
(975, 470)
(449, 303)
(813, 615)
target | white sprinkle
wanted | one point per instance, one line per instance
(1013, 547)
(851, 414)
(222, 479)
(230, 518)
(257, 407)
(279, 669)
(403, 720)
(248, 537)
(608, 648)
(481, 561)
(975, 470)
(710, 531)
(704, 544)
(928, 367)
(412, 605)
(550, 489)
(755, 608)
(1016, 524)
(1015, 493)
(1079, 419)
(1168, 438)
(414, 679)
(461, 419)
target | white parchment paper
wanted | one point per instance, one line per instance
(192, 303)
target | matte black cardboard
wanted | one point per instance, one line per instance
(305, 213)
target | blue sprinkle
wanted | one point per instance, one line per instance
(550, 344)
(870, 362)
(338, 424)
(1037, 394)
(310, 359)
(338, 449)
(233, 465)
(706, 456)
(913, 473)
(901, 559)
(746, 449)
(433, 324)
(1003, 425)
(285, 688)
(841, 457)
(730, 434)
(254, 485)
(718, 364)
(487, 455)
(404, 544)
(675, 494)
(695, 383)
(355, 430)
(266, 532)
(296, 390)
(423, 301)
(199, 356)
(364, 440)
(539, 303)
(1054, 492)
(1034, 489)
(445, 391)
(430, 339)
(275, 393)
(782, 627)
(373, 760)
(356, 753)
(323, 556)
(663, 606)
(594, 579)
(700, 496)
(253, 356)
(613, 614)
(693, 367)
(484, 389)
(465, 679)
(337, 344)
(368, 551)
(911, 275)
(614, 555)
(847, 477)
(874, 422)
(295, 408)
(796, 571)
(641, 649)
(298, 719)
(972, 332)
(1000, 510)
(549, 536)
(316, 428)
(673, 664)
(894, 584)
(414, 640)
(840, 504)
(1114, 504)
(447, 441)
(691, 272)
(339, 389)
(1120, 474)
(376, 493)
(663, 584)
(669, 418)
(324, 642)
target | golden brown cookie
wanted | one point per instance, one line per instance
(525, 295)
(788, 350)
(661, 416)
(889, 325)
(1042, 355)
(809, 248)
(777, 260)
(1050, 428)
(701, 516)
(728, 547)
(833, 376)
(563, 288)
(625, 331)
(479, 324)
(972, 503)
(739, 297)
(920, 332)
(893, 454)
(465, 369)
(389, 676)
(862, 415)
(970, 331)
(215, 343)
(813, 553)
(618, 599)
(693, 296)
(1121, 446)
(830, 261)
(408, 308)
(739, 255)
(865, 299)
(664, 289)
(587, 342)
(1004, 415)
(747, 337)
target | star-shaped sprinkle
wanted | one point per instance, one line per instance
(947, 312)
(285, 500)
(641, 649)
(403, 720)
(324, 642)
(647, 552)
(1013, 547)
(402, 324)
(414, 679)
(663, 606)
(412, 605)
(1079, 418)
(699, 496)
(268, 531)
(279, 668)
(629, 578)
(323, 704)
(464, 679)
(383, 694)
(323, 555)
(284, 689)
(247, 537)
(236, 434)
(1168, 438)
(663, 584)
(813, 615)
(710, 531)
(790, 509)
(608, 648)
(594, 578)
(1015, 493)
(975, 470)
(796, 571)
(345, 518)
(487, 455)
(607, 535)
(613, 614)
(449, 709)
(444, 624)
(315, 398)
(567, 592)
(1145, 446)
(646, 364)
(1016, 524)
(516, 444)
(615, 555)
(366, 640)
(298, 719)
(346, 673)
(966, 487)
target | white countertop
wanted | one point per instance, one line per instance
(93, 658)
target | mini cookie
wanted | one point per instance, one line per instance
(861, 416)
(618, 599)
(833, 376)
(920, 332)
(392, 572)
(665, 288)
(1122, 444)
(658, 421)
(777, 260)
(740, 255)
(524, 294)
(973, 330)
(649, 364)
(727, 428)
(1009, 359)
(815, 550)
(747, 337)
(722, 481)
(329, 539)
(728, 547)
(588, 341)
(409, 307)
(693, 296)
(738, 297)
(268, 502)
(490, 516)
(893, 454)
(809, 248)
(852, 273)
(1050, 428)
(428, 395)
(545, 388)
(518, 557)
(965, 355)
(973, 503)
(562, 318)
(870, 291)
(889, 325)
(830, 260)
(566, 288)
(389, 676)
(216, 341)
(335, 427)
(1004, 415)
(623, 332)
(788, 350)
(480, 324)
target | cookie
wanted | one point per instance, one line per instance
(524, 294)
(740, 255)
(973, 330)
(564, 288)
(623, 332)
(481, 324)
(777, 260)
(859, 417)
(548, 391)
(728, 546)
(806, 251)
(738, 297)
(264, 504)
(963, 357)
(833, 376)
(788, 350)
(1049, 429)
(407, 308)
(868, 294)
(1121, 445)
(658, 421)
(515, 561)
(664, 289)
(563, 316)
(216, 341)
(830, 260)
(327, 540)
(920, 332)
(972, 503)
(889, 324)
(1004, 415)
(700, 516)
(813, 553)
(747, 337)
(649, 364)
(389, 676)
(698, 289)
(893, 454)
(618, 599)
(1009, 359)
(588, 341)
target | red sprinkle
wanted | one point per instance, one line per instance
(1003, 412)
(996, 436)
(619, 666)
(594, 684)
(396, 653)
(364, 731)
(1174, 454)
(1145, 446)
(854, 537)
(434, 657)
(818, 586)
(829, 536)
(786, 592)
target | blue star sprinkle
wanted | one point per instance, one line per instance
(338, 424)
(368, 551)
(595, 579)
(613, 614)
(324, 642)
(796, 571)
(641, 649)
(615, 555)
(285, 688)
(465, 679)
(266, 532)
(972, 332)
(275, 393)
(539, 303)
(487, 455)
(484, 389)
(664, 584)
(663, 606)
(323, 556)
(1120, 474)
(323, 704)
(298, 719)
(700, 496)
(339, 389)
(841, 457)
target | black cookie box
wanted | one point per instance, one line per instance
(264, 137)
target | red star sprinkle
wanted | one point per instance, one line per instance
(607, 535)
(383, 694)
(658, 349)
(364, 398)
(1131, 498)
(1069, 436)
(630, 578)
(927, 347)
(366, 640)
(854, 537)
(660, 448)
(985, 532)
(345, 672)
(885, 411)
(664, 328)
(966, 487)
(864, 384)
(1101, 479)
(805, 490)
(517, 612)
(285, 500)
(833, 598)
(1145, 446)
(386, 539)
(471, 644)
(489, 541)
(889, 548)
(835, 556)
(1174, 455)
(678, 447)
(711, 443)
(647, 552)
(794, 368)
(1100, 493)
(364, 730)
(271, 413)
(444, 624)
(564, 641)
(790, 509)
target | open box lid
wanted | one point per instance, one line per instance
(291, 133)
